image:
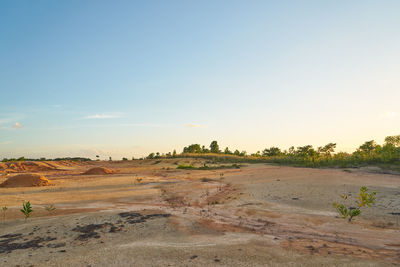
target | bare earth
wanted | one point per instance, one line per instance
(148, 213)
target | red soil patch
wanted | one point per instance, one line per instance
(26, 166)
(26, 180)
(98, 171)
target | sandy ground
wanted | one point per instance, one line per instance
(149, 213)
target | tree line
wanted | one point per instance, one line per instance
(368, 153)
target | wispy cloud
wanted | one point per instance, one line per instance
(104, 116)
(17, 125)
(144, 125)
(5, 120)
(5, 142)
(192, 125)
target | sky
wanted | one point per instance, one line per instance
(126, 78)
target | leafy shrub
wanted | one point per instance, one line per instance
(364, 199)
(26, 209)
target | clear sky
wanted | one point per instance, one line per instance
(125, 78)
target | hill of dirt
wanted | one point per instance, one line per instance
(26, 180)
(38, 166)
(26, 166)
(98, 171)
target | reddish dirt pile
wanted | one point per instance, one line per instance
(98, 171)
(26, 166)
(26, 180)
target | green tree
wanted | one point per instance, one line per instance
(327, 149)
(214, 147)
(227, 151)
(272, 151)
(194, 148)
(393, 140)
(368, 147)
(307, 150)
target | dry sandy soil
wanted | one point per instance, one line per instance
(148, 213)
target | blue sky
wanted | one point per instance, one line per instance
(125, 78)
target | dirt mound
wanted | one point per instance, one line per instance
(26, 166)
(26, 180)
(98, 171)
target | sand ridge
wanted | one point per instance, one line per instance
(98, 171)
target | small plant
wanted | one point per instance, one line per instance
(26, 209)
(4, 212)
(50, 208)
(364, 199)
(186, 167)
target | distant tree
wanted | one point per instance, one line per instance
(124, 158)
(109, 158)
(150, 156)
(243, 153)
(237, 152)
(204, 149)
(174, 153)
(307, 150)
(368, 146)
(227, 151)
(98, 157)
(393, 140)
(327, 149)
(272, 151)
(214, 147)
(194, 148)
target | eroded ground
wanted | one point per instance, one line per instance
(151, 214)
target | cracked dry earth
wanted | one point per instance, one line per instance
(150, 214)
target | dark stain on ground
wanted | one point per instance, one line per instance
(134, 217)
(89, 231)
(8, 244)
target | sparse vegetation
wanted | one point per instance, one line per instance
(186, 167)
(206, 167)
(50, 208)
(364, 199)
(26, 209)
(4, 209)
(386, 156)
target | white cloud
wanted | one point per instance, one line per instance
(103, 116)
(17, 125)
(191, 125)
